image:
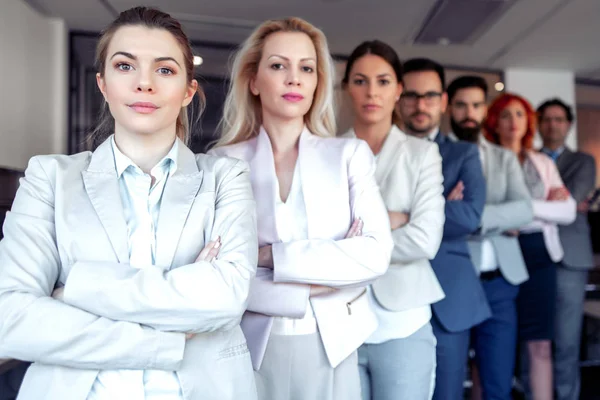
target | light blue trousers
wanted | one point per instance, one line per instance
(399, 368)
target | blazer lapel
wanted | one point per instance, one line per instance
(264, 178)
(314, 169)
(388, 155)
(102, 186)
(562, 162)
(178, 197)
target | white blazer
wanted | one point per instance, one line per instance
(409, 175)
(338, 186)
(67, 227)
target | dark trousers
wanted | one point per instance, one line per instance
(451, 357)
(495, 340)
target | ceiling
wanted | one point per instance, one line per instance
(481, 34)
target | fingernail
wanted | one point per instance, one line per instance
(217, 245)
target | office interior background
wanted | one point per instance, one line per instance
(537, 48)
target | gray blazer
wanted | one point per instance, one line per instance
(508, 206)
(578, 172)
(67, 227)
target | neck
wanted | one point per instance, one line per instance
(374, 134)
(284, 134)
(144, 150)
(553, 146)
(421, 135)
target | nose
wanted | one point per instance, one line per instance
(471, 113)
(292, 79)
(145, 83)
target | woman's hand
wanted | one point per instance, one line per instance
(355, 229)
(265, 257)
(398, 219)
(558, 194)
(210, 251)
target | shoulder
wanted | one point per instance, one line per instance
(540, 158)
(504, 155)
(340, 148)
(242, 151)
(461, 149)
(221, 166)
(59, 164)
(584, 158)
(420, 145)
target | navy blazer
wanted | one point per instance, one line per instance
(465, 304)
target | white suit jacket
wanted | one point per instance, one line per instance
(409, 174)
(338, 186)
(67, 227)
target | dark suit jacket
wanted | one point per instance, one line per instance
(578, 172)
(465, 304)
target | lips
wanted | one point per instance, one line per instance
(293, 97)
(371, 107)
(143, 107)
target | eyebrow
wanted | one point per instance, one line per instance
(287, 59)
(477, 103)
(378, 76)
(131, 56)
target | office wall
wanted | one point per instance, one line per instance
(33, 88)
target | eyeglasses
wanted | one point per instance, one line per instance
(412, 98)
(559, 120)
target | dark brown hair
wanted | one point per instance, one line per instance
(380, 49)
(153, 19)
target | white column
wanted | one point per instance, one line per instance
(538, 85)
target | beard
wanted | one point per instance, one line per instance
(466, 133)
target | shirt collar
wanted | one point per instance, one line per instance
(433, 134)
(552, 153)
(168, 162)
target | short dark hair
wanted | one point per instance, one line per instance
(465, 82)
(423, 65)
(556, 102)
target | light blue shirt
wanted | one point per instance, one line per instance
(553, 154)
(141, 207)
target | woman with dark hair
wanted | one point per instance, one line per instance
(398, 361)
(511, 123)
(110, 281)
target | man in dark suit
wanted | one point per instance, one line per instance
(421, 106)
(578, 172)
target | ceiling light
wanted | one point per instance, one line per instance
(499, 86)
(198, 60)
(443, 41)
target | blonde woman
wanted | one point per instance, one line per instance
(323, 229)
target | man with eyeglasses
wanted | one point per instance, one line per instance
(578, 172)
(421, 107)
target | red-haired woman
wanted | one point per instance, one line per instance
(511, 124)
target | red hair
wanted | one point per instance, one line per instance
(498, 105)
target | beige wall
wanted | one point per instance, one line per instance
(33, 88)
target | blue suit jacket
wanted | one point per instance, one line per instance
(465, 304)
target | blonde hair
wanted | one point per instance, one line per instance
(242, 113)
